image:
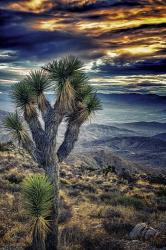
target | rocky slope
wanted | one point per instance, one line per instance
(100, 205)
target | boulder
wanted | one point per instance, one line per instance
(144, 232)
(162, 227)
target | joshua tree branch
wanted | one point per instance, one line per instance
(38, 134)
(30, 148)
(45, 108)
(54, 118)
(71, 136)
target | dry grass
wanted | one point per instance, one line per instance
(97, 211)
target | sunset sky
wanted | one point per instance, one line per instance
(115, 38)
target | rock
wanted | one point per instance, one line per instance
(151, 233)
(144, 232)
(162, 227)
(3, 230)
(136, 231)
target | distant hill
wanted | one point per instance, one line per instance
(101, 159)
(131, 143)
(94, 131)
(3, 114)
(135, 98)
(147, 128)
(161, 136)
(3, 134)
(141, 142)
(147, 151)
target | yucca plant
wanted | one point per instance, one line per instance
(66, 72)
(24, 99)
(37, 194)
(39, 82)
(75, 102)
(14, 124)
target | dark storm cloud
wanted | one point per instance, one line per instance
(122, 68)
(33, 44)
(34, 32)
(145, 84)
(5, 74)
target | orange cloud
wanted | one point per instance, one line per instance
(35, 6)
(116, 30)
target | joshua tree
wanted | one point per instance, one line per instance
(38, 195)
(75, 102)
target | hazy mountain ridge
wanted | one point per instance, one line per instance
(140, 142)
(101, 159)
(144, 127)
(130, 142)
(135, 98)
(161, 136)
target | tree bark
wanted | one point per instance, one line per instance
(71, 136)
(37, 243)
(52, 242)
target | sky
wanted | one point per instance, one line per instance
(121, 41)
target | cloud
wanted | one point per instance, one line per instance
(149, 66)
(127, 36)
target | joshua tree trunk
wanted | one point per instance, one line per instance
(52, 237)
(37, 242)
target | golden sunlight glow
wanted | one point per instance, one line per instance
(131, 32)
(110, 25)
(94, 28)
(139, 50)
(53, 24)
(31, 5)
(111, 54)
(77, 2)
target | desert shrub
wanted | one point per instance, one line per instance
(110, 245)
(158, 179)
(3, 230)
(84, 187)
(161, 203)
(161, 191)
(14, 178)
(116, 198)
(111, 213)
(109, 169)
(131, 201)
(64, 216)
(92, 242)
(74, 193)
(64, 181)
(7, 186)
(92, 197)
(159, 242)
(65, 209)
(71, 235)
(117, 227)
(62, 173)
(106, 197)
(6, 146)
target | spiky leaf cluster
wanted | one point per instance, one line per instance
(73, 91)
(24, 98)
(39, 81)
(64, 69)
(68, 76)
(38, 201)
(14, 124)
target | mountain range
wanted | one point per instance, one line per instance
(142, 143)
